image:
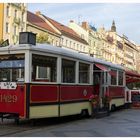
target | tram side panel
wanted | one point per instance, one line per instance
(117, 96)
(74, 99)
(58, 100)
(44, 101)
(13, 101)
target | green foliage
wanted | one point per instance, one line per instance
(133, 85)
(42, 38)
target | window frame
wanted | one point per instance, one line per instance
(88, 73)
(19, 69)
(69, 59)
(44, 55)
(116, 77)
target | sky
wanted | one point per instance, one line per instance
(126, 15)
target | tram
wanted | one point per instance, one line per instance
(41, 81)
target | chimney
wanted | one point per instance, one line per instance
(38, 13)
(85, 25)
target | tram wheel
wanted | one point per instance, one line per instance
(85, 113)
(113, 107)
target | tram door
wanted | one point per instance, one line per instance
(104, 84)
(101, 81)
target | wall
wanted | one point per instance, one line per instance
(1, 20)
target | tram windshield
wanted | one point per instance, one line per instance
(12, 68)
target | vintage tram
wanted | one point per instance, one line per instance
(40, 81)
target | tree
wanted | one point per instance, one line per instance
(42, 38)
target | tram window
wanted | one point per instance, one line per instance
(83, 73)
(68, 71)
(96, 79)
(12, 68)
(104, 77)
(120, 78)
(44, 68)
(113, 74)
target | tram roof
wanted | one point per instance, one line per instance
(58, 51)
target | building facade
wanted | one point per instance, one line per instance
(88, 33)
(138, 60)
(118, 49)
(12, 21)
(130, 54)
(69, 38)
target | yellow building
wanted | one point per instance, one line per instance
(1, 20)
(118, 49)
(12, 21)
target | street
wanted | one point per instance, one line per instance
(122, 123)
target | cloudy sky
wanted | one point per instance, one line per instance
(126, 15)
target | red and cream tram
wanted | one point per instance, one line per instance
(40, 81)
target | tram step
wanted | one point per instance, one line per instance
(102, 114)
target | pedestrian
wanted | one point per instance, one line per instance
(94, 105)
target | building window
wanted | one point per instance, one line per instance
(77, 46)
(15, 14)
(66, 43)
(7, 11)
(74, 45)
(53, 42)
(84, 49)
(82, 36)
(90, 42)
(15, 30)
(62, 40)
(57, 43)
(22, 29)
(22, 17)
(81, 48)
(7, 27)
(68, 71)
(70, 44)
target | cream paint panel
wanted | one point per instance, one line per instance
(43, 111)
(75, 108)
(117, 102)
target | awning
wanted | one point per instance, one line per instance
(132, 76)
(113, 73)
(102, 67)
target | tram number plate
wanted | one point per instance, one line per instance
(8, 85)
(8, 98)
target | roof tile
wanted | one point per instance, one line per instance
(38, 21)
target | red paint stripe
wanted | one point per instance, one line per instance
(44, 93)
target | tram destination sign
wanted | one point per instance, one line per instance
(8, 85)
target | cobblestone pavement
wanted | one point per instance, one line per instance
(123, 123)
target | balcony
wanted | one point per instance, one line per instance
(17, 21)
(17, 5)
